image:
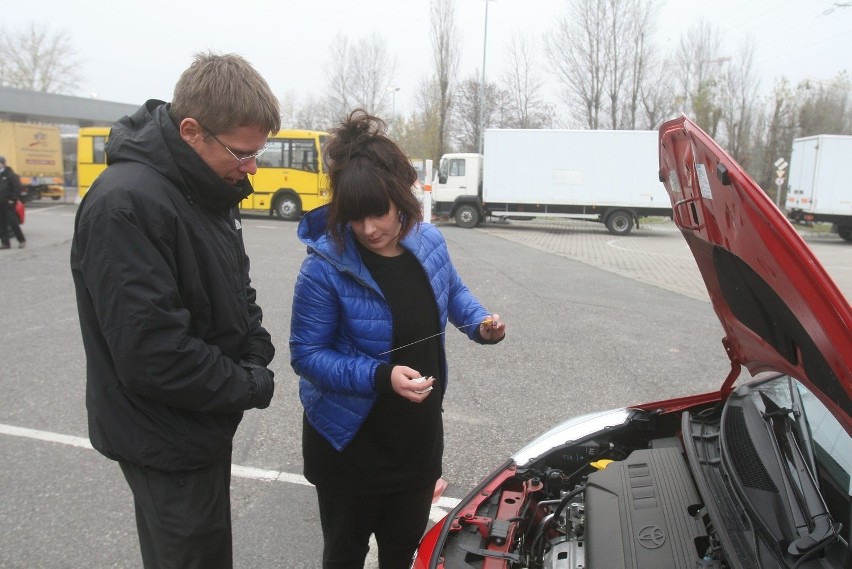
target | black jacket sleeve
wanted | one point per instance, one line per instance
(261, 350)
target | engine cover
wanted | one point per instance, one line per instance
(638, 513)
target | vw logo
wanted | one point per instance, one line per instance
(651, 537)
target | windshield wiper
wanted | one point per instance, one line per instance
(802, 426)
(821, 527)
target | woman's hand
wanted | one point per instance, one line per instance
(408, 383)
(492, 329)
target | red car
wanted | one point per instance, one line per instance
(758, 474)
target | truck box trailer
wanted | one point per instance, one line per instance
(34, 152)
(820, 184)
(600, 175)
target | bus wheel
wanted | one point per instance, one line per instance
(288, 208)
(619, 222)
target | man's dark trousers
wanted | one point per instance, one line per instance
(183, 518)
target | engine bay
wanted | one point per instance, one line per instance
(613, 501)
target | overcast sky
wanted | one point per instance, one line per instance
(131, 51)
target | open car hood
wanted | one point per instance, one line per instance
(779, 308)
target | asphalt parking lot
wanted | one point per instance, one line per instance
(593, 322)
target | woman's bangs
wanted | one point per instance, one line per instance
(363, 199)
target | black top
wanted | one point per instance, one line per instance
(401, 443)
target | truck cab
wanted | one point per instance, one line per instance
(457, 188)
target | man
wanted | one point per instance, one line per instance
(175, 347)
(10, 192)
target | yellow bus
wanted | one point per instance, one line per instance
(91, 156)
(291, 175)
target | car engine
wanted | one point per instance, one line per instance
(598, 504)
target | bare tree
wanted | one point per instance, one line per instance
(418, 134)
(313, 115)
(340, 97)
(466, 133)
(599, 52)
(375, 72)
(699, 65)
(523, 105)
(809, 108)
(359, 76)
(445, 55)
(38, 60)
(656, 95)
(773, 134)
(738, 101)
(632, 29)
(825, 107)
(577, 52)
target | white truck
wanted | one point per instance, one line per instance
(820, 186)
(600, 175)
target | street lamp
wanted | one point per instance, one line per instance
(392, 91)
(482, 84)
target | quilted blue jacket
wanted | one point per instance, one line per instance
(342, 326)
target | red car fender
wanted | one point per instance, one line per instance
(427, 546)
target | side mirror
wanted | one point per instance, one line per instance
(442, 178)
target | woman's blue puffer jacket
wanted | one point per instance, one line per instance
(341, 323)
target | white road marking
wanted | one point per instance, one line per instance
(45, 436)
(38, 210)
(438, 511)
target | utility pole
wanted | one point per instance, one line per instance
(392, 91)
(482, 84)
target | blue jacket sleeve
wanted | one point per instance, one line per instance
(323, 350)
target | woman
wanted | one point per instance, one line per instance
(370, 307)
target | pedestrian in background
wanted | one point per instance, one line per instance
(173, 335)
(371, 303)
(10, 193)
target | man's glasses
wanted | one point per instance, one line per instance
(240, 159)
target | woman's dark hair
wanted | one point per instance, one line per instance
(367, 171)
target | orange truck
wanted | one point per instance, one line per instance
(34, 152)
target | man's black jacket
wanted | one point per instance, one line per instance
(165, 302)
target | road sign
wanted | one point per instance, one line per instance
(779, 181)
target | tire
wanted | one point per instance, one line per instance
(845, 233)
(288, 207)
(466, 216)
(619, 222)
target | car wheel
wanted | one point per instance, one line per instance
(288, 208)
(467, 216)
(845, 233)
(619, 222)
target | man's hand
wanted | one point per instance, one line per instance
(264, 384)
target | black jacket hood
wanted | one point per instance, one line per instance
(149, 136)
